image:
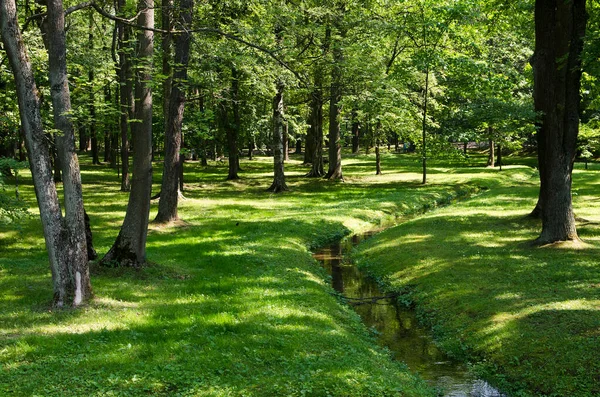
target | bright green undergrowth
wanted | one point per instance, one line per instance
(529, 316)
(232, 303)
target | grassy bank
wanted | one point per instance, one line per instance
(232, 303)
(529, 316)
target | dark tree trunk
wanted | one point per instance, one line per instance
(491, 155)
(107, 130)
(335, 146)
(465, 146)
(173, 164)
(316, 133)
(278, 184)
(355, 132)
(129, 248)
(65, 237)
(92, 97)
(424, 132)
(560, 29)
(167, 58)
(298, 146)
(309, 140)
(126, 102)
(377, 160)
(232, 129)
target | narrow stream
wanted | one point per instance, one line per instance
(397, 327)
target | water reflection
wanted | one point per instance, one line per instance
(397, 327)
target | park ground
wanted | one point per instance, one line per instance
(232, 303)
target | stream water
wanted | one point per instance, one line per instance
(397, 327)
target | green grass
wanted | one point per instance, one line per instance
(529, 317)
(232, 303)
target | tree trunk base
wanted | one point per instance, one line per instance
(278, 187)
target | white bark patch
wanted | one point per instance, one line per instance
(78, 295)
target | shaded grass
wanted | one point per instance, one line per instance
(530, 317)
(232, 302)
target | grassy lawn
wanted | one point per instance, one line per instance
(232, 304)
(529, 316)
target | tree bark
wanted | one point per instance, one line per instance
(424, 132)
(559, 29)
(278, 184)
(377, 160)
(92, 96)
(65, 236)
(233, 129)
(129, 248)
(125, 98)
(355, 132)
(316, 133)
(335, 146)
(169, 193)
(491, 146)
(167, 58)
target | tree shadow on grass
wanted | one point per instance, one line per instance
(246, 319)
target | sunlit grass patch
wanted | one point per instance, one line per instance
(528, 316)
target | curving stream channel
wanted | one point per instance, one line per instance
(397, 327)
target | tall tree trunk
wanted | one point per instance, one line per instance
(108, 133)
(125, 98)
(278, 184)
(335, 146)
(424, 132)
(491, 155)
(559, 29)
(129, 248)
(233, 129)
(298, 146)
(309, 140)
(355, 132)
(65, 237)
(316, 133)
(167, 58)
(377, 159)
(286, 141)
(92, 96)
(173, 164)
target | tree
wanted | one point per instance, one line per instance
(65, 236)
(559, 32)
(129, 248)
(169, 194)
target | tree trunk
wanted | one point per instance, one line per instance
(167, 58)
(377, 160)
(92, 96)
(232, 129)
(316, 133)
(298, 146)
(335, 146)
(65, 237)
(129, 248)
(173, 164)
(309, 140)
(125, 98)
(278, 184)
(355, 132)
(559, 29)
(491, 156)
(424, 132)
(286, 142)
